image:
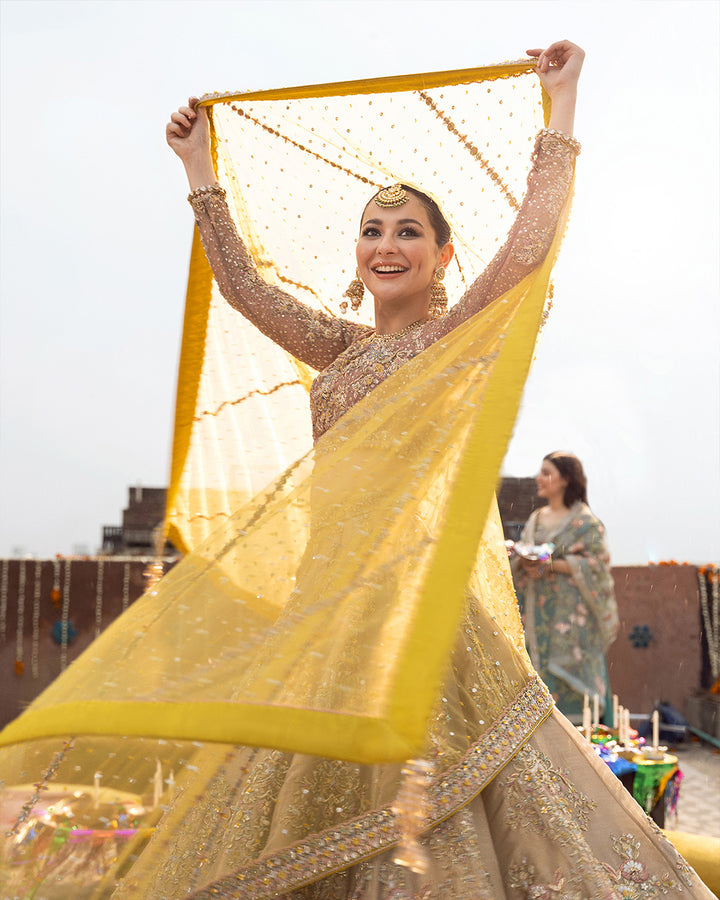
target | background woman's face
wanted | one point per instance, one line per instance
(549, 481)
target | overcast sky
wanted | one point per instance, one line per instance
(96, 233)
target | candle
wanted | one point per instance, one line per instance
(655, 729)
(626, 713)
(621, 725)
(596, 711)
(615, 710)
(587, 730)
(157, 784)
(96, 789)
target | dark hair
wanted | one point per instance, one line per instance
(570, 467)
(437, 219)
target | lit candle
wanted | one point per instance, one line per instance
(615, 710)
(656, 729)
(596, 711)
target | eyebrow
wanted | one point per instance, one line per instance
(399, 222)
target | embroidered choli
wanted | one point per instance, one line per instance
(350, 359)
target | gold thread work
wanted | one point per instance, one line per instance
(471, 148)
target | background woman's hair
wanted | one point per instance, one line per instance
(570, 467)
(437, 220)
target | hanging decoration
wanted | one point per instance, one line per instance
(126, 587)
(64, 635)
(99, 597)
(42, 785)
(19, 662)
(3, 599)
(55, 594)
(34, 653)
(711, 615)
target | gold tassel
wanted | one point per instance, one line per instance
(356, 292)
(410, 809)
(438, 295)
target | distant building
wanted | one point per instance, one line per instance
(517, 498)
(136, 536)
(145, 512)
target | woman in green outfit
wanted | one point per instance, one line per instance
(567, 600)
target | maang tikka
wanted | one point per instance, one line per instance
(387, 198)
(438, 295)
(356, 292)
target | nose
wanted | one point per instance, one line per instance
(386, 244)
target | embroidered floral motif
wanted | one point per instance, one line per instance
(632, 878)
(537, 780)
(522, 876)
(541, 798)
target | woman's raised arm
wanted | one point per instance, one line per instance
(310, 335)
(549, 181)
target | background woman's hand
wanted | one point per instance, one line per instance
(533, 568)
(559, 67)
(188, 131)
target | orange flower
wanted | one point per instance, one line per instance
(19, 667)
(55, 595)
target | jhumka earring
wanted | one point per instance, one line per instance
(438, 295)
(356, 292)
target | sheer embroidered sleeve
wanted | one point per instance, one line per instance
(534, 228)
(310, 335)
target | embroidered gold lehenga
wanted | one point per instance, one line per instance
(240, 732)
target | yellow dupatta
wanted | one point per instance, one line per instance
(345, 658)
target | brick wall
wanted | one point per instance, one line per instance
(665, 601)
(659, 602)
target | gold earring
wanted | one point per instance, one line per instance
(356, 292)
(438, 295)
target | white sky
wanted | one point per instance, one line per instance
(96, 233)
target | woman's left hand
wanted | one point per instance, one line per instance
(559, 67)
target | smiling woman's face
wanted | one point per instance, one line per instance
(397, 252)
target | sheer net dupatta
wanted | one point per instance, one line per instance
(298, 166)
(321, 617)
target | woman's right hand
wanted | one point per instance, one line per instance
(188, 131)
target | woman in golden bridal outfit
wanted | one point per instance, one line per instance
(240, 730)
(518, 805)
